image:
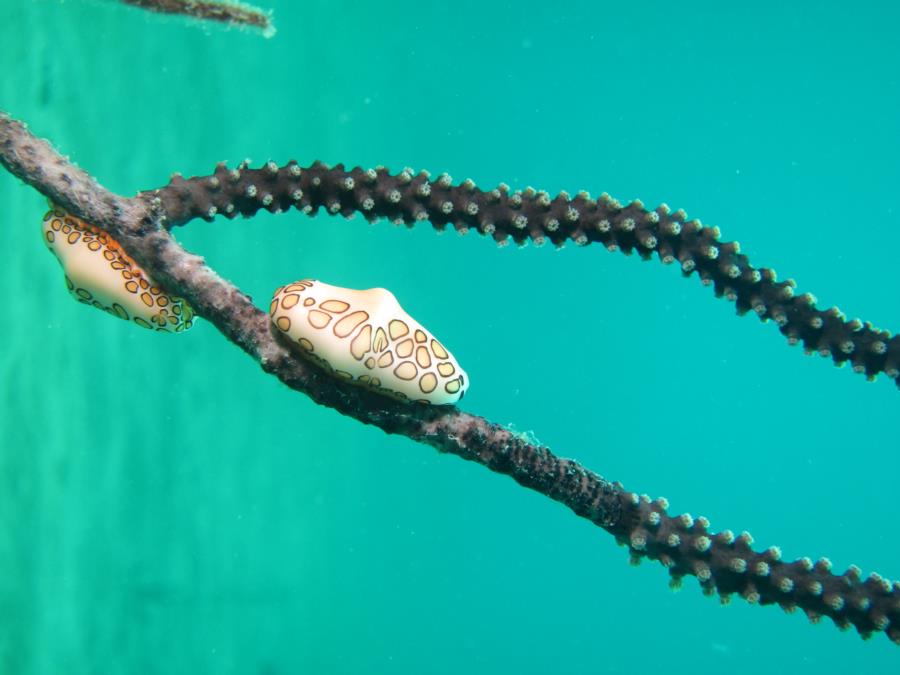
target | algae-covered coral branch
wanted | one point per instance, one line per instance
(722, 562)
(209, 10)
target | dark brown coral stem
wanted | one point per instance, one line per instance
(722, 562)
(207, 10)
(532, 215)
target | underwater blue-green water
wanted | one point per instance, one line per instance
(165, 507)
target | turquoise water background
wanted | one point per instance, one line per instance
(167, 508)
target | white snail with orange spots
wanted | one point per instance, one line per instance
(99, 273)
(366, 337)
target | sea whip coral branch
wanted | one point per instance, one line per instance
(222, 12)
(723, 563)
(532, 215)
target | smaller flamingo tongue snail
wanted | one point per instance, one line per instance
(101, 274)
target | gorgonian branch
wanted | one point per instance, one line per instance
(208, 10)
(536, 216)
(722, 562)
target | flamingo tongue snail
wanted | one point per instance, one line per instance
(101, 274)
(367, 338)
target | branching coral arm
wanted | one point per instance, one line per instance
(721, 562)
(535, 216)
(210, 10)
